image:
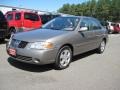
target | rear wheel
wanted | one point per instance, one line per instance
(102, 46)
(64, 58)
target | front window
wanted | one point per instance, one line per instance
(17, 16)
(9, 16)
(62, 23)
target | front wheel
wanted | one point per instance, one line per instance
(102, 46)
(12, 31)
(63, 58)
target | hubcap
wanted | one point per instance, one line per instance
(102, 46)
(65, 57)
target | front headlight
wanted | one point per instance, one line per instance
(41, 45)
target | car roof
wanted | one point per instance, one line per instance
(19, 11)
(77, 16)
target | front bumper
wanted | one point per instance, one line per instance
(35, 56)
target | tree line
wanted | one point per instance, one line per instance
(101, 9)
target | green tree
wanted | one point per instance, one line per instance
(101, 9)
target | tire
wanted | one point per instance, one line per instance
(63, 58)
(2, 39)
(11, 32)
(109, 32)
(118, 32)
(101, 47)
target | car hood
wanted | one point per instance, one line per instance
(38, 35)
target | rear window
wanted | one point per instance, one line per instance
(97, 24)
(31, 16)
(9, 16)
(2, 17)
(17, 16)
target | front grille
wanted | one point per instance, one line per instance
(22, 44)
(25, 58)
(18, 44)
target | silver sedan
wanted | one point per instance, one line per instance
(58, 41)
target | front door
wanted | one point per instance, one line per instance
(86, 39)
(18, 20)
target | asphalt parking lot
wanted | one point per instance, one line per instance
(89, 71)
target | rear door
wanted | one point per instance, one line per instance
(99, 31)
(27, 21)
(36, 21)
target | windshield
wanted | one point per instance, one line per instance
(62, 23)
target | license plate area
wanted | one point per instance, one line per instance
(12, 51)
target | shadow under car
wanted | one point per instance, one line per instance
(44, 68)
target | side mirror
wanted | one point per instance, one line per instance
(83, 29)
